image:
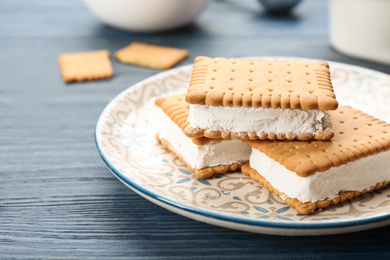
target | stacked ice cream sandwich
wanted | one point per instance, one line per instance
(303, 147)
(203, 156)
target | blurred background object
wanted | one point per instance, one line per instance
(361, 28)
(146, 15)
(279, 6)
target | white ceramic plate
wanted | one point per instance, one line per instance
(125, 140)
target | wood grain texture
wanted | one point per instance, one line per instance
(57, 198)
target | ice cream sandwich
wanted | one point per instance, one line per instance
(315, 174)
(259, 99)
(205, 157)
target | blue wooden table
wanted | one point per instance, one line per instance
(58, 199)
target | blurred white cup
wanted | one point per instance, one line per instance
(146, 15)
(361, 28)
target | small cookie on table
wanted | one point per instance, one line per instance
(152, 56)
(83, 66)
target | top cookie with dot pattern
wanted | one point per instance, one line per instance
(261, 83)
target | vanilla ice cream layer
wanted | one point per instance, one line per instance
(257, 119)
(354, 176)
(201, 156)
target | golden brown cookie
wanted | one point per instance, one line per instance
(357, 135)
(84, 66)
(261, 83)
(152, 56)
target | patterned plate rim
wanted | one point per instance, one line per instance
(303, 225)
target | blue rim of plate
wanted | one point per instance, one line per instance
(218, 216)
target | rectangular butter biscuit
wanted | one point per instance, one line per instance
(83, 66)
(152, 56)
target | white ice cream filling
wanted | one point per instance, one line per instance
(201, 156)
(257, 119)
(354, 176)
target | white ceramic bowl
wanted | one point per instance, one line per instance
(361, 28)
(146, 15)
